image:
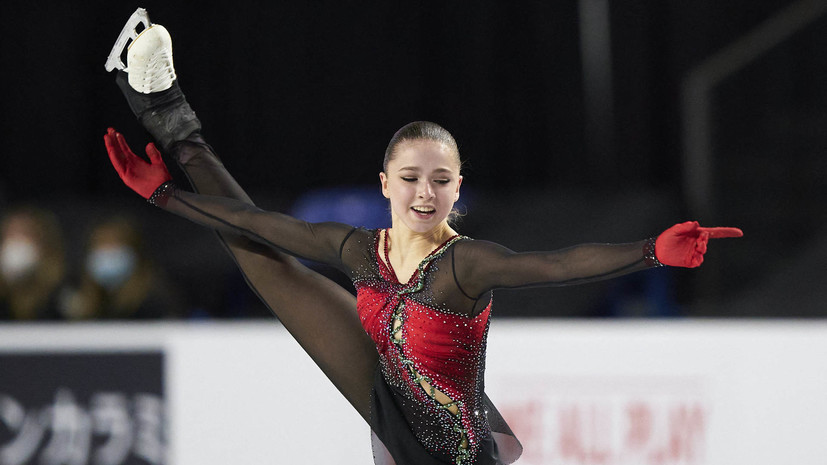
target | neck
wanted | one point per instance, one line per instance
(406, 242)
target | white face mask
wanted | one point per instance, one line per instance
(18, 258)
(111, 266)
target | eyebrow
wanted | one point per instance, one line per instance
(414, 168)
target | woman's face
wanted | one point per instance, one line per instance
(111, 260)
(20, 251)
(422, 182)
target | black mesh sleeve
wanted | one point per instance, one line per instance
(481, 266)
(320, 242)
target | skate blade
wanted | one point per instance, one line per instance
(127, 34)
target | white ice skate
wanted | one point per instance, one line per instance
(149, 83)
(148, 55)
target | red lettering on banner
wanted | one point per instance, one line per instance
(686, 428)
(529, 428)
(584, 433)
(658, 426)
(639, 415)
(571, 443)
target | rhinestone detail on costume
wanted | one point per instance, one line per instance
(161, 195)
(463, 453)
(649, 255)
(427, 350)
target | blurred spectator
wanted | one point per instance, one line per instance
(32, 265)
(119, 281)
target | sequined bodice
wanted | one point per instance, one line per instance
(445, 350)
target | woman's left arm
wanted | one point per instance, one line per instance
(482, 265)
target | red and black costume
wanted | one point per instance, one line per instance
(398, 344)
(442, 313)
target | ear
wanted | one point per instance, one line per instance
(383, 180)
(456, 194)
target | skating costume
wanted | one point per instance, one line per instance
(425, 348)
(430, 332)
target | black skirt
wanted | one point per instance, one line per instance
(394, 442)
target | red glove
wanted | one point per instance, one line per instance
(142, 177)
(685, 244)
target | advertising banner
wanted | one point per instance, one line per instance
(66, 408)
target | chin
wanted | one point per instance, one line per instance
(419, 225)
(424, 226)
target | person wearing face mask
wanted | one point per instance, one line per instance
(32, 265)
(118, 280)
(408, 352)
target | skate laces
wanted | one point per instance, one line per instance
(148, 55)
(149, 61)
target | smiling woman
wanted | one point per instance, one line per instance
(422, 183)
(412, 142)
(409, 352)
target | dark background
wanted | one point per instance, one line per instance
(299, 96)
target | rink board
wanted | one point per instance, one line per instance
(575, 392)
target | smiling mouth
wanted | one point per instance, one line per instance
(424, 210)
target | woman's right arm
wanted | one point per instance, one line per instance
(320, 242)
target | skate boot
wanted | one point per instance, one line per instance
(149, 83)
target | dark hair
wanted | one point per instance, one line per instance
(420, 130)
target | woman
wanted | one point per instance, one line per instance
(119, 280)
(423, 291)
(32, 265)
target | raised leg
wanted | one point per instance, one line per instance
(317, 312)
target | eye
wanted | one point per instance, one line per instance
(408, 179)
(442, 181)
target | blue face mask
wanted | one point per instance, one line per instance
(111, 266)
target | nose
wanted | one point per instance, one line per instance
(426, 191)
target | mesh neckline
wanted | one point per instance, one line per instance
(385, 261)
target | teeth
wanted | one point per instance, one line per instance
(423, 210)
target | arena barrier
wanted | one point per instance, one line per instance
(575, 392)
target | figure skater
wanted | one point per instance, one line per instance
(409, 352)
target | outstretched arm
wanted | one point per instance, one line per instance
(482, 265)
(320, 242)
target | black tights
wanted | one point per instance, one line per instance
(320, 314)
